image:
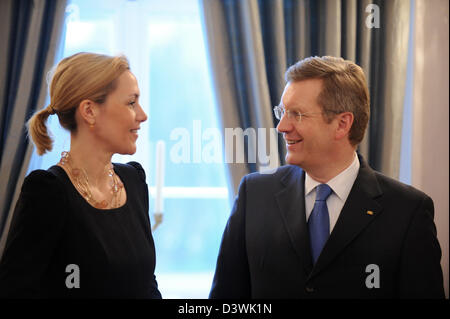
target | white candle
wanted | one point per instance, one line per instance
(160, 153)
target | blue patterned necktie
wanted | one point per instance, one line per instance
(319, 221)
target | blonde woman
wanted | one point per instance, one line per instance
(81, 228)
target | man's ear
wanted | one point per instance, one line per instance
(88, 111)
(344, 124)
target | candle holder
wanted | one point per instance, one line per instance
(159, 199)
(158, 220)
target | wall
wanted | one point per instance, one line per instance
(430, 140)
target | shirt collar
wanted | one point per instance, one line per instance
(341, 184)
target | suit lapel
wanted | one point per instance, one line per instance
(291, 204)
(354, 216)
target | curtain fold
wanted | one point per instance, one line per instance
(222, 73)
(251, 43)
(363, 58)
(32, 32)
(274, 37)
(234, 39)
(385, 152)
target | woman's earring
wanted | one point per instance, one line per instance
(91, 126)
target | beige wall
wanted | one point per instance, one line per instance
(430, 139)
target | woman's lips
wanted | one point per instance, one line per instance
(135, 133)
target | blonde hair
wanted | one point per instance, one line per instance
(82, 76)
(344, 89)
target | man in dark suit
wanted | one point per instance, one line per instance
(327, 225)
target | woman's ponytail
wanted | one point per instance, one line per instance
(37, 130)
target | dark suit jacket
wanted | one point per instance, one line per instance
(265, 247)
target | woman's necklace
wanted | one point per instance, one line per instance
(81, 183)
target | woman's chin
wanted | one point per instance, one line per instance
(128, 151)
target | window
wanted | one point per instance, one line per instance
(164, 43)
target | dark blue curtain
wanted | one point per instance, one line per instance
(20, 20)
(23, 49)
(291, 30)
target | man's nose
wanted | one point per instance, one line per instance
(284, 125)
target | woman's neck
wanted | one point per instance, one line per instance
(93, 160)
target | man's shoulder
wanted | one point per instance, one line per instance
(398, 188)
(278, 174)
(390, 187)
(262, 185)
(270, 182)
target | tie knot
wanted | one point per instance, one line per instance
(322, 192)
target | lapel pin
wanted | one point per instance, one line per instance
(369, 212)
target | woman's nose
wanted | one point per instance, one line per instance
(141, 115)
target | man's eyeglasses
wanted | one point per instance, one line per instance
(279, 112)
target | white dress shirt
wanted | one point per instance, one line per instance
(341, 186)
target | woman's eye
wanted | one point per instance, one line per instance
(132, 103)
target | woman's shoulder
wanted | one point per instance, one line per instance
(132, 168)
(41, 180)
(42, 196)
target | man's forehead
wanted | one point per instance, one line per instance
(300, 94)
